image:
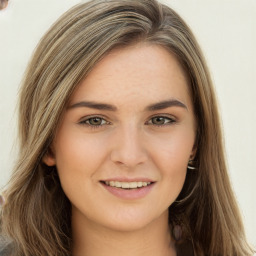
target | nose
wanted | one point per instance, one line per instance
(128, 147)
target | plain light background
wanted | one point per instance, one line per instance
(226, 31)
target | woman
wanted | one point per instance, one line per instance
(120, 143)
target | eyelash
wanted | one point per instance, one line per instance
(168, 121)
(87, 120)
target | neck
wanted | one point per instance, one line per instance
(90, 239)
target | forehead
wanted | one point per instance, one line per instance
(142, 72)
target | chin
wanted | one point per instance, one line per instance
(133, 221)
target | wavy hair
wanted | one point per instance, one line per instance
(36, 215)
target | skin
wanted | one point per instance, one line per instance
(129, 142)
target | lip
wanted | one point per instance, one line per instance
(125, 179)
(129, 194)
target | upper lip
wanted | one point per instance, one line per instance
(125, 179)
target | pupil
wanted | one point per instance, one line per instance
(95, 121)
(158, 120)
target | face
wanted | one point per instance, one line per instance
(125, 140)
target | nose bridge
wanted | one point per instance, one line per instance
(129, 148)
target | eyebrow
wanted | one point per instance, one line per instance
(103, 106)
(166, 104)
(93, 105)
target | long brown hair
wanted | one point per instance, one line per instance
(36, 215)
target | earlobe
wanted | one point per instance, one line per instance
(49, 159)
(191, 162)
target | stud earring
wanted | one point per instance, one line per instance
(177, 232)
(191, 165)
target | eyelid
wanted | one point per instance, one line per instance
(83, 120)
(167, 116)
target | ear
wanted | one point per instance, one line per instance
(193, 152)
(49, 158)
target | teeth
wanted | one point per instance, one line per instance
(127, 185)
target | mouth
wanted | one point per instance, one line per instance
(127, 185)
(129, 189)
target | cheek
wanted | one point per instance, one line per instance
(171, 155)
(77, 159)
(174, 166)
(78, 152)
(172, 151)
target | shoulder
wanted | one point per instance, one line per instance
(5, 250)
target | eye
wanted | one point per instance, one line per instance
(161, 120)
(94, 121)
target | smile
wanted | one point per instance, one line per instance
(127, 185)
(129, 189)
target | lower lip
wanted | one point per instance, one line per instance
(130, 194)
